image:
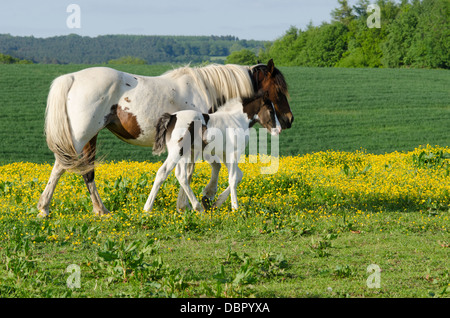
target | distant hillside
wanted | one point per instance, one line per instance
(75, 49)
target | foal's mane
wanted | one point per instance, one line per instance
(240, 102)
(218, 83)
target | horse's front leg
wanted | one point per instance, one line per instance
(182, 200)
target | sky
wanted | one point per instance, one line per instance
(246, 19)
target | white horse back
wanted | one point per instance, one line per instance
(95, 91)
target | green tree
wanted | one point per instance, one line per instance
(400, 36)
(430, 45)
(322, 46)
(242, 57)
(343, 14)
(285, 49)
(8, 59)
(364, 43)
(419, 36)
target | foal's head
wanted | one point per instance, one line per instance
(260, 110)
(267, 78)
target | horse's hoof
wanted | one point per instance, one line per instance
(42, 214)
(206, 203)
(104, 212)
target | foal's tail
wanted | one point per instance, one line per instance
(57, 129)
(161, 130)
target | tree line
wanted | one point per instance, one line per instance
(75, 49)
(412, 34)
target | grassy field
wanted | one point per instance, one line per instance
(331, 220)
(310, 230)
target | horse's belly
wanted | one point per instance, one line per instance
(139, 110)
(128, 126)
(146, 139)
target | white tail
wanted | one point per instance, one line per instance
(57, 128)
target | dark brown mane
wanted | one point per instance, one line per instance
(280, 82)
(248, 100)
(278, 78)
(251, 105)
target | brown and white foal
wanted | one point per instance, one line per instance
(221, 136)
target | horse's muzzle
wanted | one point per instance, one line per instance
(286, 121)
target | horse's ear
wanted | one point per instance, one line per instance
(270, 66)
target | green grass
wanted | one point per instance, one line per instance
(208, 257)
(380, 110)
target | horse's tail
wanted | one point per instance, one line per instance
(161, 130)
(57, 128)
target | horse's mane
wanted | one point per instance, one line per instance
(279, 80)
(218, 83)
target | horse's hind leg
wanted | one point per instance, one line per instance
(89, 152)
(47, 194)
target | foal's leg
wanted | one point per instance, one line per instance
(161, 175)
(97, 203)
(181, 172)
(46, 196)
(183, 201)
(234, 177)
(222, 198)
(209, 192)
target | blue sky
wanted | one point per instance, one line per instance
(246, 19)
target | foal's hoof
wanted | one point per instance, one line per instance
(206, 203)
